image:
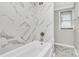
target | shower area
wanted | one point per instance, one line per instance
(26, 29)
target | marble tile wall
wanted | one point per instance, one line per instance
(22, 22)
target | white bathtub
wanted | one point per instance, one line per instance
(34, 49)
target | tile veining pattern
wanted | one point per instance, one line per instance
(61, 51)
(22, 22)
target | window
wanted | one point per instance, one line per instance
(66, 20)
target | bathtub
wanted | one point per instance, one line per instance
(34, 49)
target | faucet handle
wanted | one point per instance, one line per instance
(42, 34)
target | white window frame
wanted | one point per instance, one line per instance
(60, 19)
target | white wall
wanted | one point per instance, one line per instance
(62, 36)
(63, 5)
(76, 41)
(27, 20)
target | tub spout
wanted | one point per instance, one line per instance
(41, 39)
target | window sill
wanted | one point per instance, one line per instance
(67, 29)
